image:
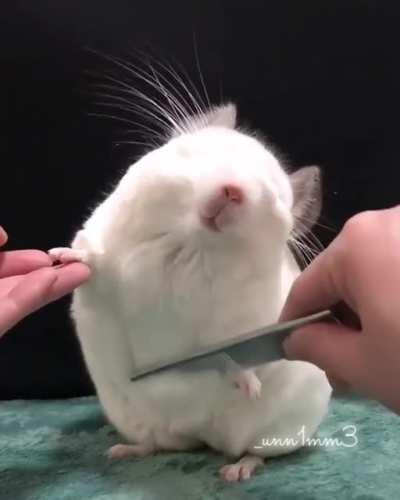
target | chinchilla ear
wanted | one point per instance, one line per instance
(307, 197)
(222, 116)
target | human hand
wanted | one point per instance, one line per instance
(361, 269)
(28, 282)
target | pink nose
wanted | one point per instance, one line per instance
(232, 193)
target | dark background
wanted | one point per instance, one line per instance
(320, 78)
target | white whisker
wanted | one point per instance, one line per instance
(313, 241)
(126, 66)
(199, 107)
(161, 118)
(171, 107)
(140, 143)
(113, 117)
(141, 125)
(160, 88)
(196, 54)
(157, 117)
(182, 114)
(129, 106)
(298, 252)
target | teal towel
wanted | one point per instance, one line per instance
(54, 450)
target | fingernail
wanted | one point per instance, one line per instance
(57, 266)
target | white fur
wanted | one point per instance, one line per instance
(165, 284)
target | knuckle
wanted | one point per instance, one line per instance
(39, 293)
(361, 227)
(41, 289)
(358, 236)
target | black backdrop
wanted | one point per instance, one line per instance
(320, 78)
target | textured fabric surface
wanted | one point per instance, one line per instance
(54, 450)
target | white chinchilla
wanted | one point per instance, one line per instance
(191, 248)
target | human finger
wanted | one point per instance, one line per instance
(69, 277)
(3, 237)
(334, 348)
(22, 262)
(314, 290)
(27, 296)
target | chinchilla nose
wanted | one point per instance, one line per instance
(232, 193)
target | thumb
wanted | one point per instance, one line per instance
(334, 348)
(3, 237)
